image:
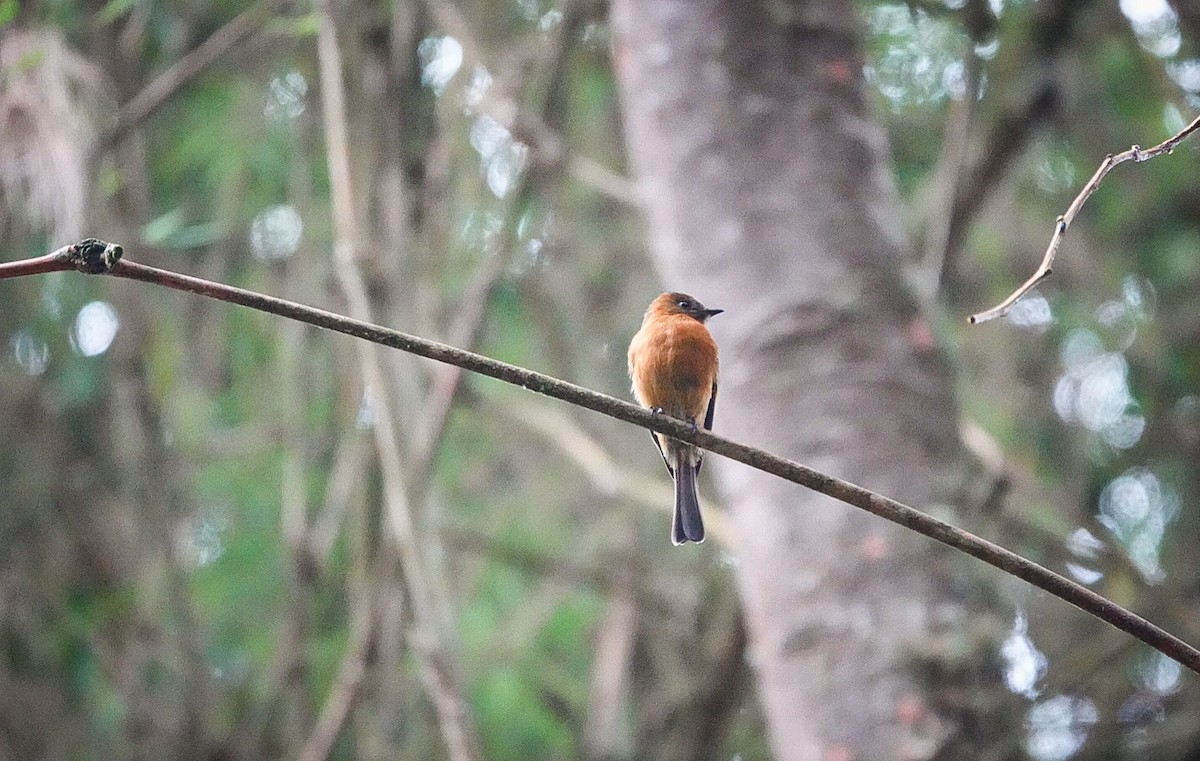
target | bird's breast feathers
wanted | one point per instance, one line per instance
(673, 366)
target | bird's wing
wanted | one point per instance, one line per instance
(666, 462)
(712, 407)
(708, 421)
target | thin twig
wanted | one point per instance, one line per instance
(215, 48)
(467, 327)
(291, 429)
(545, 142)
(428, 591)
(1135, 153)
(466, 331)
(947, 182)
(605, 477)
(344, 482)
(97, 257)
(342, 695)
(605, 181)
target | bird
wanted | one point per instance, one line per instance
(673, 367)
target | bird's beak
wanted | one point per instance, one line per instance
(710, 312)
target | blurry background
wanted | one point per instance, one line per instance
(226, 536)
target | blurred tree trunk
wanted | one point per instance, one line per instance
(769, 195)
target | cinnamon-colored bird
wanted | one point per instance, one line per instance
(673, 366)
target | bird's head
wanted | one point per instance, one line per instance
(681, 303)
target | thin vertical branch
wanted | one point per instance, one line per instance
(294, 518)
(449, 704)
(342, 695)
(608, 691)
(526, 125)
(447, 380)
(346, 476)
(947, 183)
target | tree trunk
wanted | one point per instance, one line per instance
(768, 195)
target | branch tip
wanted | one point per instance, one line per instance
(1135, 153)
(94, 256)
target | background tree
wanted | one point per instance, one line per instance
(230, 537)
(770, 190)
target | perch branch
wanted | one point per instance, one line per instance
(1135, 153)
(97, 257)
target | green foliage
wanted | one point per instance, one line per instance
(241, 566)
(522, 685)
(8, 11)
(114, 9)
(170, 231)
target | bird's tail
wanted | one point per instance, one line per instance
(686, 526)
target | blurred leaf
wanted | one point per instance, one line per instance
(114, 9)
(8, 11)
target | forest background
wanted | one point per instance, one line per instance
(228, 536)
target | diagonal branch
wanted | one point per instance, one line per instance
(97, 257)
(1136, 153)
(350, 674)
(191, 65)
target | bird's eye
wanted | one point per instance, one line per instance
(685, 304)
